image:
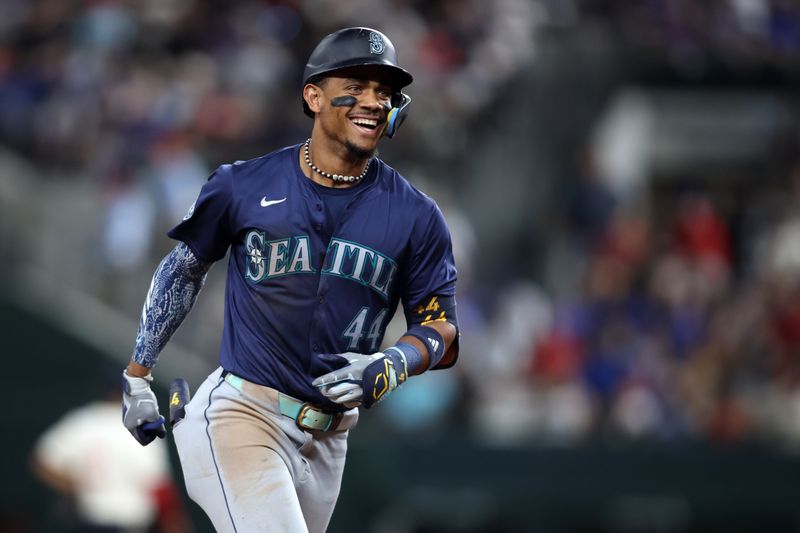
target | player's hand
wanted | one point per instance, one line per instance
(365, 379)
(140, 409)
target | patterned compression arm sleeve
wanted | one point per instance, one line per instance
(173, 291)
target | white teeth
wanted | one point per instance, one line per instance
(365, 122)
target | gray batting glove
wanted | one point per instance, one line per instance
(140, 409)
(366, 379)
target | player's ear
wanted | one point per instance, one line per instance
(312, 94)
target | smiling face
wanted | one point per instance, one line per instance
(351, 108)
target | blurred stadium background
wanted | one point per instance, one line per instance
(622, 181)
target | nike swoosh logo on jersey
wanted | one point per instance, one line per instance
(267, 203)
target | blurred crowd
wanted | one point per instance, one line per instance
(741, 35)
(680, 320)
(670, 311)
(666, 316)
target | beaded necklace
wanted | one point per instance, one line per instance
(335, 177)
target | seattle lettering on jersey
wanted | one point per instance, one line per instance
(344, 259)
(361, 264)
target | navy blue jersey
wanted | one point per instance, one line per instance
(296, 289)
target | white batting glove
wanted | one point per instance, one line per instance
(367, 378)
(140, 409)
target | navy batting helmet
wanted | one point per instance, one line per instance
(354, 47)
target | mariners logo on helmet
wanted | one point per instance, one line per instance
(375, 43)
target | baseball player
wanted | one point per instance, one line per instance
(325, 240)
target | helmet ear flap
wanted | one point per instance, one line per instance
(398, 113)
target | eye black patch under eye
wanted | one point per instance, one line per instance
(343, 101)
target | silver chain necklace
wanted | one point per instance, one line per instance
(335, 177)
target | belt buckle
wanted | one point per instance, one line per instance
(335, 418)
(302, 414)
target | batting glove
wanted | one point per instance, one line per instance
(140, 409)
(365, 379)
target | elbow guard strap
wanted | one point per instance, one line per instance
(432, 340)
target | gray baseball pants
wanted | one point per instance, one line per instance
(252, 469)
